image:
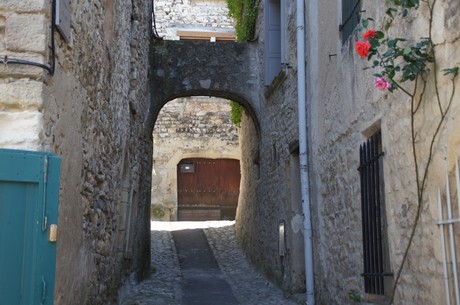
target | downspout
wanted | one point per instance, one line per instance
(303, 152)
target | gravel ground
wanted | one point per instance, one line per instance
(163, 287)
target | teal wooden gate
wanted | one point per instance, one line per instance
(29, 195)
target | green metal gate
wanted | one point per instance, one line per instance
(29, 195)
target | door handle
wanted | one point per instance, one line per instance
(53, 233)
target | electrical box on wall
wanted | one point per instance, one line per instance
(62, 20)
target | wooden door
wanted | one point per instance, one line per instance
(29, 194)
(208, 189)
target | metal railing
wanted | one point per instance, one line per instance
(449, 251)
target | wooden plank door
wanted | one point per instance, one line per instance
(208, 189)
(29, 194)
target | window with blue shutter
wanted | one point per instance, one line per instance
(272, 44)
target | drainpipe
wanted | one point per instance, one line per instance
(303, 153)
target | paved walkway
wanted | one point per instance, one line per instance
(168, 283)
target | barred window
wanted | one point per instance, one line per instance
(375, 243)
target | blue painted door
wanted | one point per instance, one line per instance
(29, 195)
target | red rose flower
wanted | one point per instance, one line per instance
(370, 34)
(362, 48)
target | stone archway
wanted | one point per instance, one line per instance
(199, 68)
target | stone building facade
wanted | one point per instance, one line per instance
(188, 128)
(174, 16)
(344, 110)
(91, 114)
(193, 126)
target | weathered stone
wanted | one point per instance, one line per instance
(343, 110)
(191, 16)
(20, 129)
(24, 5)
(21, 94)
(223, 63)
(91, 114)
(171, 147)
(26, 32)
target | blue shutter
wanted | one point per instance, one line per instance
(272, 40)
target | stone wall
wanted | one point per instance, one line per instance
(270, 187)
(188, 128)
(344, 109)
(91, 114)
(191, 15)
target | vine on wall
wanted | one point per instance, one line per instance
(245, 14)
(409, 66)
(236, 111)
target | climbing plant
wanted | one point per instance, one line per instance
(408, 66)
(245, 14)
(236, 111)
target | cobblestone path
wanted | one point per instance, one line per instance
(163, 287)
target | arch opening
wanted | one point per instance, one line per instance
(196, 130)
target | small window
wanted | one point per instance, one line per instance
(350, 17)
(376, 273)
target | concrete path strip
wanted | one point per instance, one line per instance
(202, 282)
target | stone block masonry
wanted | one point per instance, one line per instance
(171, 16)
(344, 110)
(186, 128)
(91, 113)
(26, 33)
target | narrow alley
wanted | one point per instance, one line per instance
(180, 264)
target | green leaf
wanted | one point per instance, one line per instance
(377, 75)
(453, 71)
(407, 51)
(389, 53)
(392, 43)
(374, 43)
(365, 23)
(236, 111)
(390, 12)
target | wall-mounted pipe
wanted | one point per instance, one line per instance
(303, 152)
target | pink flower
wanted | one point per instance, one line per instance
(362, 48)
(382, 84)
(370, 34)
